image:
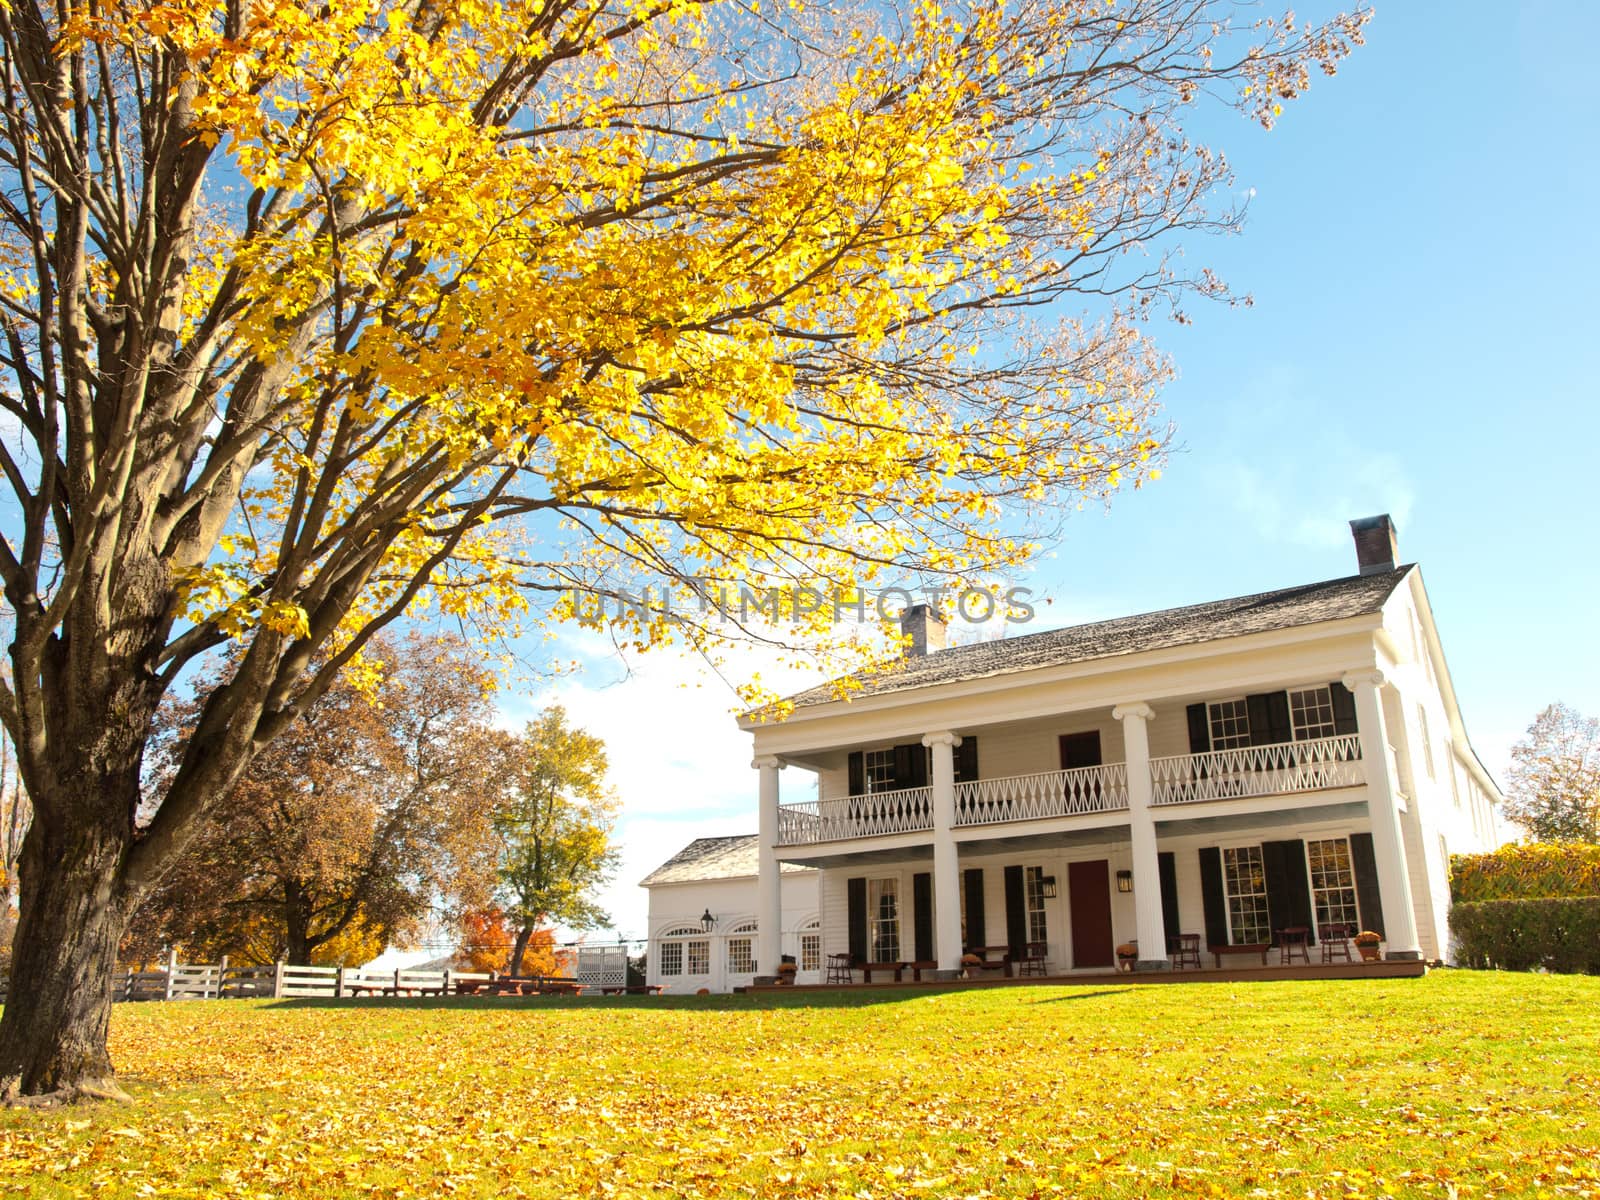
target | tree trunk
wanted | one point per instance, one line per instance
(53, 1029)
(296, 926)
(518, 950)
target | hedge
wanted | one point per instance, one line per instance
(1515, 935)
(1542, 870)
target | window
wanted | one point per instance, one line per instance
(1033, 892)
(671, 945)
(741, 949)
(1427, 742)
(811, 951)
(699, 955)
(1230, 724)
(883, 920)
(1311, 714)
(1333, 883)
(879, 774)
(1245, 878)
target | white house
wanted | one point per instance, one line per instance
(703, 917)
(1293, 759)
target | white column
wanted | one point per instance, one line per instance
(1388, 841)
(1151, 929)
(769, 892)
(946, 872)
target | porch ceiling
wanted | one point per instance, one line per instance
(1277, 819)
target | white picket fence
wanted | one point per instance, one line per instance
(220, 981)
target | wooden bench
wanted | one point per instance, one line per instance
(1217, 951)
(992, 958)
(633, 989)
(867, 968)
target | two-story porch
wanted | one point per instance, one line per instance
(1229, 817)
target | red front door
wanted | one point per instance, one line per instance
(1089, 908)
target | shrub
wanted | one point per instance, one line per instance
(1541, 870)
(1559, 934)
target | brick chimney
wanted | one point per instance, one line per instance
(1375, 544)
(926, 631)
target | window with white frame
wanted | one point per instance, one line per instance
(698, 956)
(1033, 893)
(1244, 876)
(1427, 741)
(883, 920)
(742, 949)
(878, 770)
(1311, 713)
(671, 948)
(1333, 882)
(1230, 724)
(811, 947)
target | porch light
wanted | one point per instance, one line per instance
(1124, 881)
(1047, 886)
(707, 921)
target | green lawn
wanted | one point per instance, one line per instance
(1458, 1084)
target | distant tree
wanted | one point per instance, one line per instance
(1554, 780)
(553, 817)
(348, 829)
(485, 940)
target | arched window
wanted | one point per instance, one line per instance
(741, 949)
(684, 950)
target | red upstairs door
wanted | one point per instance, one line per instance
(1089, 907)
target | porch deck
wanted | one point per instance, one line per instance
(1227, 974)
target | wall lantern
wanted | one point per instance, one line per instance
(1047, 886)
(1124, 881)
(707, 921)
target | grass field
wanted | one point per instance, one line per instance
(1459, 1084)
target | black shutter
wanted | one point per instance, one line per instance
(1167, 863)
(972, 881)
(1288, 889)
(1344, 708)
(967, 759)
(905, 765)
(1269, 718)
(919, 765)
(1016, 911)
(1216, 902)
(858, 773)
(1368, 898)
(1199, 729)
(856, 889)
(922, 915)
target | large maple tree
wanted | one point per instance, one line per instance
(319, 314)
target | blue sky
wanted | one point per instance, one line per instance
(1423, 253)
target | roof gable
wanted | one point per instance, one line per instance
(714, 858)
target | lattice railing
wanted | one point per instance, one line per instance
(1309, 766)
(1045, 794)
(906, 810)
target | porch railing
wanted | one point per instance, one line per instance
(1308, 766)
(1045, 794)
(907, 810)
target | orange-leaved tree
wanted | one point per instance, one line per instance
(313, 316)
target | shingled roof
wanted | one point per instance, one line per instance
(1264, 612)
(714, 858)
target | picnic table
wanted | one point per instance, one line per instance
(633, 989)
